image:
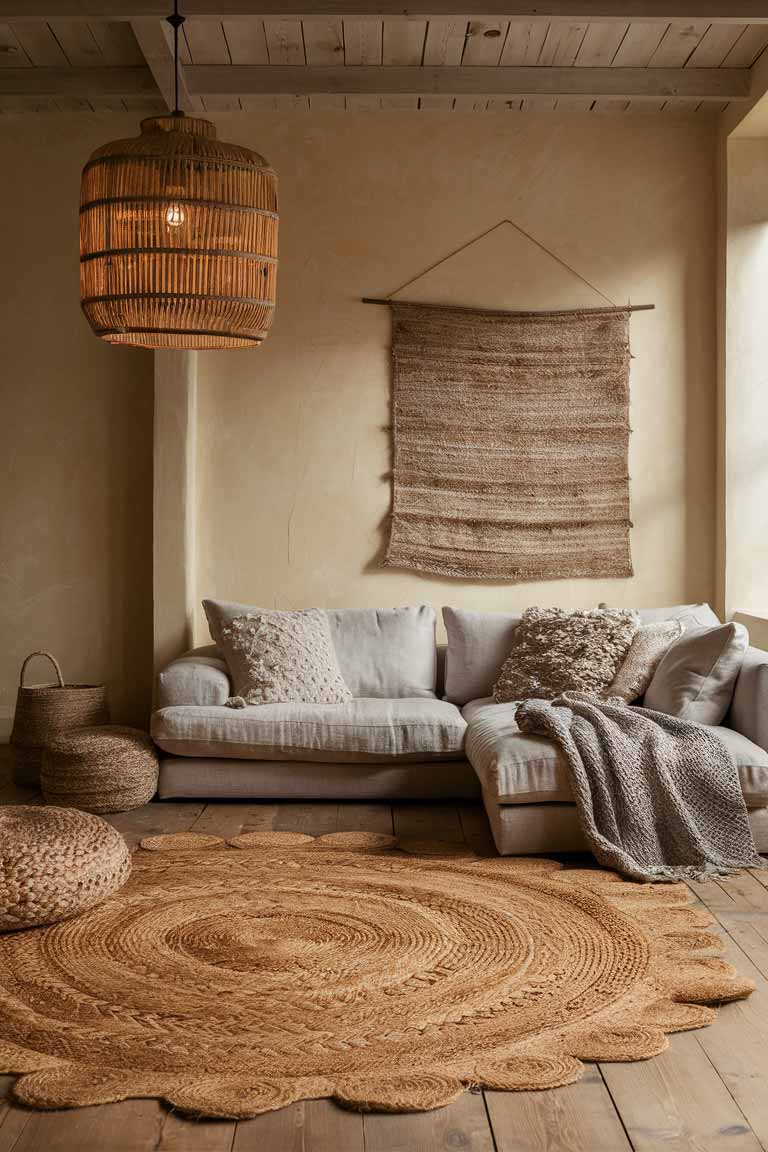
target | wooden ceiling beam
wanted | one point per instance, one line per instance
(750, 117)
(79, 82)
(714, 11)
(155, 39)
(273, 80)
(631, 83)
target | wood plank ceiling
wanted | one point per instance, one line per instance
(384, 43)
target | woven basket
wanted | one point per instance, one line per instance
(109, 768)
(44, 711)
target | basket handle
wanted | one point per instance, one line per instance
(48, 656)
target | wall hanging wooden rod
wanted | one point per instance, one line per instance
(512, 312)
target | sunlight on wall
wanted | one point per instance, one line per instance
(746, 379)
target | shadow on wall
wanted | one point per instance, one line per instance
(701, 430)
(129, 574)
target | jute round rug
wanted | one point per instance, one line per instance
(234, 979)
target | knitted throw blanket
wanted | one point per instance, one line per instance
(658, 798)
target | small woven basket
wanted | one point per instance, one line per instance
(110, 768)
(44, 711)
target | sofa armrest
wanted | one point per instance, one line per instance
(749, 707)
(199, 677)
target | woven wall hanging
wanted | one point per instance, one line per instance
(510, 438)
(178, 237)
(510, 444)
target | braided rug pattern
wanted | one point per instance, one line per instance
(232, 980)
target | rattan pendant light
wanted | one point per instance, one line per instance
(178, 237)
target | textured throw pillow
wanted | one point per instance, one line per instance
(646, 650)
(696, 677)
(556, 651)
(282, 657)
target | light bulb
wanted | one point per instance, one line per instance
(174, 215)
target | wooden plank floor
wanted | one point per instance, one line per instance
(707, 1093)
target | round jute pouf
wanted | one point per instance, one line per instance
(55, 863)
(107, 768)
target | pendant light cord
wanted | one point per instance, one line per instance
(176, 57)
(176, 22)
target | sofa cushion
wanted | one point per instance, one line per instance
(516, 767)
(554, 651)
(521, 769)
(689, 615)
(478, 645)
(648, 646)
(385, 653)
(361, 731)
(697, 675)
(276, 657)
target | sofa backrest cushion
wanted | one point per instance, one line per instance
(389, 653)
(689, 615)
(478, 645)
(386, 653)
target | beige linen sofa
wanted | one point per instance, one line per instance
(422, 725)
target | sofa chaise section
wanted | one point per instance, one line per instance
(519, 768)
(524, 779)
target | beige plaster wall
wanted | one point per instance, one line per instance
(746, 381)
(75, 438)
(293, 447)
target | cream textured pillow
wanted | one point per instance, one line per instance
(556, 651)
(283, 657)
(647, 648)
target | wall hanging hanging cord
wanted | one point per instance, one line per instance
(611, 305)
